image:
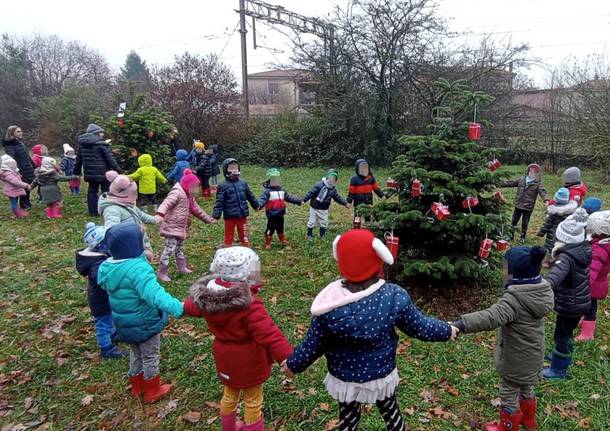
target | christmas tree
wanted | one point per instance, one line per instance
(451, 170)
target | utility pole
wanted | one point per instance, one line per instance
(244, 57)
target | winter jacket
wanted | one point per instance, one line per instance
(577, 190)
(599, 269)
(215, 168)
(194, 158)
(140, 306)
(519, 317)
(323, 204)
(17, 151)
(361, 188)
(569, 278)
(67, 165)
(525, 199)
(88, 264)
(555, 214)
(147, 176)
(356, 331)
(274, 200)
(176, 211)
(12, 186)
(113, 212)
(233, 196)
(94, 158)
(50, 192)
(246, 341)
(181, 164)
(204, 169)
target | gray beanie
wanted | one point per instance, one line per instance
(599, 223)
(94, 128)
(572, 175)
(572, 229)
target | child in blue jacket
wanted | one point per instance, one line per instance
(362, 186)
(181, 164)
(140, 307)
(353, 325)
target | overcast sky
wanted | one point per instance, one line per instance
(157, 30)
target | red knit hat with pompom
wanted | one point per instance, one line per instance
(188, 180)
(360, 255)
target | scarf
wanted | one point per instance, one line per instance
(324, 192)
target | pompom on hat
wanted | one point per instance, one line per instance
(94, 235)
(122, 188)
(572, 229)
(360, 255)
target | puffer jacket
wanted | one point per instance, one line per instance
(205, 167)
(569, 278)
(88, 264)
(361, 188)
(181, 164)
(323, 204)
(246, 341)
(113, 212)
(176, 211)
(67, 165)
(215, 168)
(147, 176)
(12, 186)
(140, 306)
(525, 199)
(274, 200)
(578, 191)
(17, 150)
(49, 187)
(356, 331)
(600, 267)
(233, 196)
(94, 158)
(519, 317)
(555, 214)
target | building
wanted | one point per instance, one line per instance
(276, 91)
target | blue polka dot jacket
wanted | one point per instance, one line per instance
(356, 331)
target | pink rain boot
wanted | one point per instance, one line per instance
(256, 426)
(19, 213)
(57, 211)
(230, 423)
(49, 211)
(587, 331)
(182, 267)
(162, 273)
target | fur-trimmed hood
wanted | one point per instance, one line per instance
(212, 298)
(562, 210)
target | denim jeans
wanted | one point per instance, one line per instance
(104, 328)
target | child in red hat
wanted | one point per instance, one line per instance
(353, 325)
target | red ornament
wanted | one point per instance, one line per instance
(498, 195)
(392, 242)
(440, 211)
(485, 249)
(357, 222)
(416, 188)
(392, 184)
(470, 201)
(474, 131)
(121, 122)
(502, 245)
(494, 165)
(150, 134)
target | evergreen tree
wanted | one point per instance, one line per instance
(450, 168)
(135, 69)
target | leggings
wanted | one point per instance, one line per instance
(14, 203)
(525, 220)
(592, 313)
(349, 414)
(173, 247)
(253, 402)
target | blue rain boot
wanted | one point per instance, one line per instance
(309, 234)
(322, 232)
(559, 366)
(113, 352)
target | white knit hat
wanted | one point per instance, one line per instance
(67, 149)
(572, 229)
(599, 223)
(234, 263)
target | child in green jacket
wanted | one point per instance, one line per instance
(147, 177)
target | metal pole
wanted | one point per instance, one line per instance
(244, 56)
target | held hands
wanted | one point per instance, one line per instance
(158, 219)
(214, 221)
(285, 370)
(454, 333)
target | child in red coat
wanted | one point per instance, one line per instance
(574, 183)
(246, 341)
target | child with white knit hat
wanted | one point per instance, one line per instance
(67, 167)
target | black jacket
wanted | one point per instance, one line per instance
(555, 214)
(17, 150)
(94, 157)
(87, 264)
(215, 168)
(323, 204)
(569, 278)
(206, 164)
(233, 196)
(361, 188)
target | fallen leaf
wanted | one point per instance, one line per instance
(332, 425)
(595, 397)
(325, 407)
(212, 404)
(192, 417)
(410, 411)
(86, 400)
(170, 407)
(584, 423)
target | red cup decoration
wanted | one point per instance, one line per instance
(485, 249)
(440, 211)
(474, 131)
(470, 202)
(498, 195)
(416, 188)
(357, 222)
(392, 184)
(392, 242)
(494, 165)
(502, 245)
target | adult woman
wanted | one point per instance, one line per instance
(17, 150)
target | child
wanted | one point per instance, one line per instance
(592, 205)
(181, 164)
(140, 307)
(353, 325)
(320, 195)
(528, 188)
(232, 202)
(147, 176)
(362, 186)
(204, 172)
(569, 278)
(47, 180)
(67, 167)
(196, 153)
(274, 199)
(556, 212)
(520, 343)
(39, 152)
(215, 170)
(175, 212)
(246, 341)
(119, 206)
(88, 262)
(598, 227)
(573, 182)
(12, 186)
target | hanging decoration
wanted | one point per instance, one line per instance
(416, 188)
(502, 245)
(392, 243)
(494, 165)
(357, 224)
(121, 114)
(474, 128)
(470, 202)
(485, 248)
(440, 211)
(391, 183)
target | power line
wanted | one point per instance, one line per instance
(228, 40)
(538, 21)
(169, 42)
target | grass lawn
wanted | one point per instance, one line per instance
(51, 376)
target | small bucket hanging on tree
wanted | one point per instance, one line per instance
(416, 188)
(392, 242)
(391, 183)
(474, 128)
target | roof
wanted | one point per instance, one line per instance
(281, 74)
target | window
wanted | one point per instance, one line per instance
(273, 88)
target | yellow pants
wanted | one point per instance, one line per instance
(253, 402)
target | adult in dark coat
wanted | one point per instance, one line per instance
(94, 158)
(17, 150)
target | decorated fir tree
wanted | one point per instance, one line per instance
(448, 203)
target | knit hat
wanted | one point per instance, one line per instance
(534, 166)
(189, 180)
(599, 223)
(360, 255)
(47, 165)
(125, 241)
(234, 263)
(572, 229)
(272, 172)
(94, 128)
(94, 235)
(40, 150)
(199, 145)
(68, 149)
(8, 164)
(122, 188)
(572, 175)
(332, 173)
(592, 205)
(562, 196)
(525, 263)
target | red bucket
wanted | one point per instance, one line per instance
(392, 184)
(470, 202)
(474, 131)
(392, 242)
(502, 245)
(485, 249)
(494, 165)
(415, 188)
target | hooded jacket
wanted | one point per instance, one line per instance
(555, 214)
(525, 199)
(94, 158)
(47, 179)
(205, 166)
(323, 204)
(176, 211)
(274, 200)
(233, 196)
(67, 165)
(361, 188)
(215, 168)
(569, 278)
(88, 264)
(12, 185)
(147, 176)
(578, 191)
(246, 341)
(113, 212)
(37, 151)
(599, 269)
(17, 150)
(356, 331)
(520, 342)
(140, 306)
(181, 164)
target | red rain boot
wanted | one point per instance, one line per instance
(282, 237)
(182, 267)
(49, 211)
(154, 390)
(587, 331)
(267, 242)
(508, 422)
(528, 407)
(137, 383)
